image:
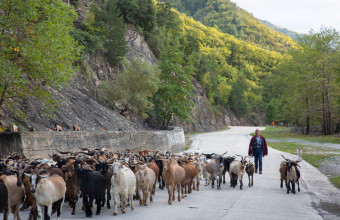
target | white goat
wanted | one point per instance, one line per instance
(123, 184)
(299, 153)
(236, 171)
(48, 190)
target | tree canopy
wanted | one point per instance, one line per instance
(36, 49)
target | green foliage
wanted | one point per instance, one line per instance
(174, 93)
(229, 18)
(305, 85)
(36, 49)
(237, 100)
(146, 17)
(336, 181)
(90, 43)
(112, 30)
(129, 9)
(140, 13)
(134, 87)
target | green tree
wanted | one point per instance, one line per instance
(309, 78)
(36, 49)
(112, 29)
(173, 96)
(146, 17)
(134, 87)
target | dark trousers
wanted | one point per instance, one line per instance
(258, 154)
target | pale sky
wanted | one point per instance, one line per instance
(296, 15)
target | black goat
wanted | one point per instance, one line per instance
(92, 185)
(3, 199)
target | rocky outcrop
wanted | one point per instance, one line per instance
(137, 47)
(203, 117)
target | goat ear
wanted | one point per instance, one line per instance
(27, 174)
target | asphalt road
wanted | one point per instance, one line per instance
(265, 200)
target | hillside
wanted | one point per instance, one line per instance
(214, 78)
(227, 17)
(285, 31)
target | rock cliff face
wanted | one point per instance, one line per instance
(81, 104)
(203, 117)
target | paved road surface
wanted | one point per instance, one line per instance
(266, 200)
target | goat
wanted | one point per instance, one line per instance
(92, 185)
(58, 128)
(283, 173)
(190, 173)
(196, 181)
(76, 128)
(161, 183)
(215, 169)
(205, 173)
(250, 171)
(48, 191)
(146, 180)
(123, 183)
(299, 152)
(226, 163)
(15, 194)
(3, 199)
(103, 167)
(14, 128)
(153, 166)
(293, 175)
(173, 176)
(72, 190)
(236, 171)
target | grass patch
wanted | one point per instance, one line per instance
(277, 132)
(336, 181)
(313, 159)
(188, 143)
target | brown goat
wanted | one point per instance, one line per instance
(29, 198)
(283, 173)
(152, 165)
(173, 176)
(190, 174)
(250, 171)
(15, 194)
(72, 189)
(76, 128)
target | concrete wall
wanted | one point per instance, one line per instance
(40, 144)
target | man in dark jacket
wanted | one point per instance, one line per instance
(258, 148)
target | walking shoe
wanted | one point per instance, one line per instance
(255, 171)
(260, 172)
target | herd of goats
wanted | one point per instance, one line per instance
(102, 175)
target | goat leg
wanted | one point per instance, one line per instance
(179, 192)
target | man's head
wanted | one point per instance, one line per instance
(257, 132)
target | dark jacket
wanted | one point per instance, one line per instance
(251, 146)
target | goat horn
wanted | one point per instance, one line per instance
(285, 158)
(64, 152)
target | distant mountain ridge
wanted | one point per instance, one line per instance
(285, 31)
(227, 17)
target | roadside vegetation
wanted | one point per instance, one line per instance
(314, 155)
(336, 181)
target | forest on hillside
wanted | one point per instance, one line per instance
(227, 17)
(252, 70)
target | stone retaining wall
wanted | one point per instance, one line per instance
(40, 144)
